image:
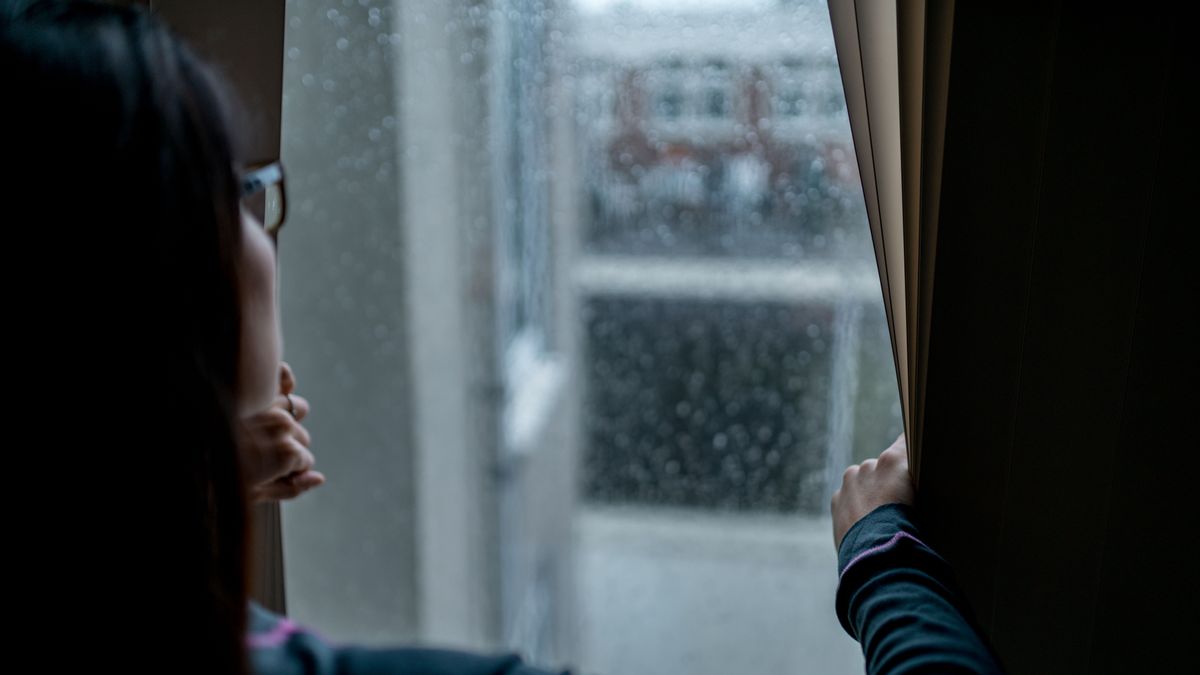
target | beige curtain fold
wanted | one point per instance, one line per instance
(1029, 171)
(895, 57)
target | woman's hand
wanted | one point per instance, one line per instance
(278, 462)
(867, 486)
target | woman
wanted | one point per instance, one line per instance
(148, 285)
(148, 280)
(143, 318)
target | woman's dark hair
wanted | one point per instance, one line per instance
(120, 209)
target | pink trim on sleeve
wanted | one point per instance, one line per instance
(889, 544)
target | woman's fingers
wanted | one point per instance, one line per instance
(287, 457)
(289, 487)
(301, 458)
(298, 404)
(869, 485)
(278, 423)
(287, 379)
(276, 445)
(279, 445)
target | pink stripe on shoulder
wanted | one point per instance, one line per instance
(274, 637)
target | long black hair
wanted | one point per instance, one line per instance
(120, 212)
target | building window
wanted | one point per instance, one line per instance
(670, 104)
(716, 104)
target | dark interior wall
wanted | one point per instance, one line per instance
(1056, 471)
(244, 40)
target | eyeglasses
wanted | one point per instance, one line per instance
(264, 195)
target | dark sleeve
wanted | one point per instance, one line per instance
(897, 597)
(279, 647)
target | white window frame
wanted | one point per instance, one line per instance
(533, 375)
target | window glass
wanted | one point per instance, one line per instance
(584, 297)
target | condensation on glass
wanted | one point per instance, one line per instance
(673, 335)
(729, 297)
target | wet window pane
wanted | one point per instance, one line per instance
(583, 295)
(714, 405)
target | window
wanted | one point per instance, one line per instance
(791, 103)
(590, 322)
(670, 103)
(717, 90)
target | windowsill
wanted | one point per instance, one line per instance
(710, 278)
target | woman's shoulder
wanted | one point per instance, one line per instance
(278, 646)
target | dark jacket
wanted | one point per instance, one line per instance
(896, 597)
(899, 600)
(280, 647)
